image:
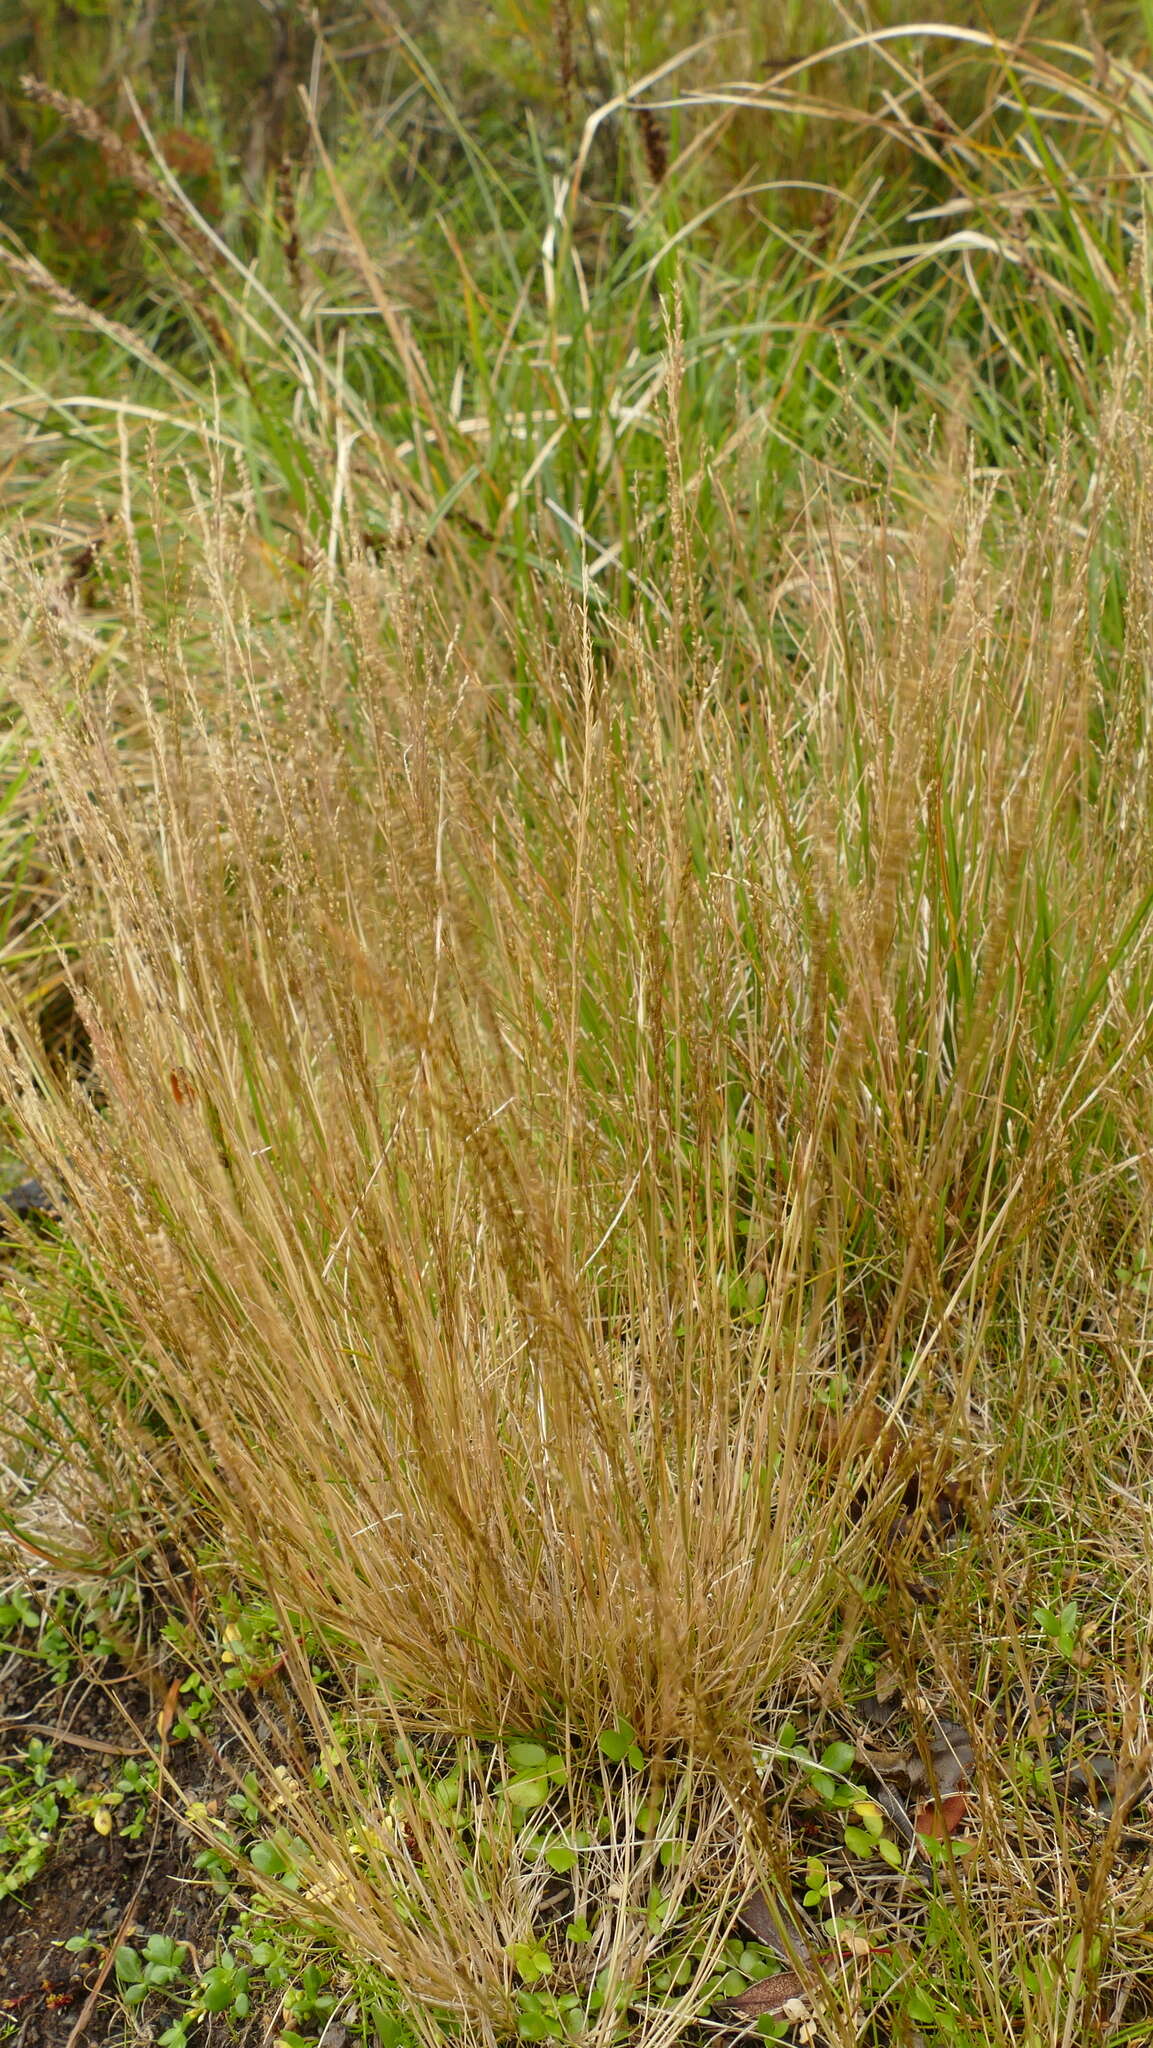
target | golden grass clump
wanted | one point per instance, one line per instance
(526, 1114)
(520, 1116)
(386, 1074)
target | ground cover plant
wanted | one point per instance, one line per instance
(577, 964)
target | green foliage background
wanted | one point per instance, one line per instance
(220, 83)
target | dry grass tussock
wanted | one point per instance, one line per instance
(527, 1115)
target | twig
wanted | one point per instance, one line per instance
(89, 2005)
(11, 1726)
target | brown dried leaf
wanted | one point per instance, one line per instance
(887, 1763)
(885, 1700)
(894, 1809)
(770, 1995)
(950, 1762)
(842, 1438)
(784, 1996)
(756, 1917)
(942, 1819)
(167, 1714)
(773, 1925)
(886, 1686)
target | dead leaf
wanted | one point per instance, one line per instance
(885, 1700)
(1133, 1781)
(856, 1945)
(886, 1763)
(895, 1809)
(167, 1714)
(842, 1438)
(784, 1996)
(769, 1995)
(940, 1819)
(1106, 1786)
(886, 1686)
(950, 1760)
(773, 1925)
(1095, 1780)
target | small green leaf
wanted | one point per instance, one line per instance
(224, 1986)
(128, 1966)
(859, 1842)
(161, 1948)
(656, 1910)
(888, 1849)
(560, 1858)
(527, 1792)
(527, 1756)
(871, 1817)
(578, 1930)
(390, 2032)
(532, 1961)
(838, 1757)
(617, 1742)
(268, 1859)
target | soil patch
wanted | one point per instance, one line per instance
(96, 1880)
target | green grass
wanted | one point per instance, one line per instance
(595, 779)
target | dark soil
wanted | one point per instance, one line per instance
(101, 1885)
